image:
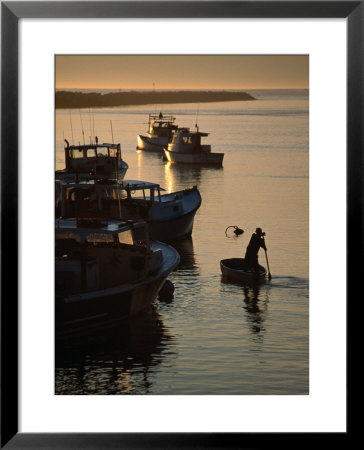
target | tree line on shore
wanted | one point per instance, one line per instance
(71, 99)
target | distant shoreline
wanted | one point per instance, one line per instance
(73, 99)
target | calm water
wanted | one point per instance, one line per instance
(213, 337)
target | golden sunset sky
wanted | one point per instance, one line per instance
(182, 71)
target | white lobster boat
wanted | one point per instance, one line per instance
(160, 130)
(84, 162)
(170, 217)
(106, 272)
(186, 147)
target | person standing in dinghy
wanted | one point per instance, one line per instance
(251, 254)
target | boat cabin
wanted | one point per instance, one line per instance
(127, 199)
(84, 231)
(92, 254)
(161, 125)
(186, 141)
(97, 158)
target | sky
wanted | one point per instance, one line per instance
(182, 71)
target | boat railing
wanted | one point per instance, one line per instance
(92, 152)
(161, 117)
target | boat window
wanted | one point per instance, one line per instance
(107, 193)
(113, 152)
(91, 153)
(116, 194)
(126, 237)
(100, 238)
(70, 194)
(102, 152)
(76, 154)
(187, 139)
(68, 235)
(78, 193)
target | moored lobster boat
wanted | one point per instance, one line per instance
(106, 272)
(186, 147)
(235, 269)
(170, 216)
(85, 162)
(160, 130)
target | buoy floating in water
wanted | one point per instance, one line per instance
(237, 231)
(166, 292)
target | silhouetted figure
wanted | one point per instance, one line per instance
(251, 254)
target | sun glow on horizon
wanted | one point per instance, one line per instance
(181, 72)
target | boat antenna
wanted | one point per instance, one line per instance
(117, 173)
(91, 137)
(71, 126)
(93, 125)
(83, 133)
(112, 134)
(198, 108)
(155, 104)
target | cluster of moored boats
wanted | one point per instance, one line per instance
(112, 234)
(178, 145)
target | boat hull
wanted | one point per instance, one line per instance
(78, 313)
(173, 229)
(148, 144)
(169, 218)
(202, 158)
(233, 269)
(173, 218)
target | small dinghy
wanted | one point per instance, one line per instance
(234, 269)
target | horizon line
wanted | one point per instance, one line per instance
(186, 89)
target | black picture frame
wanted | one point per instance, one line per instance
(11, 12)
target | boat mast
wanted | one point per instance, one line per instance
(198, 108)
(71, 127)
(91, 137)
(116, 167)
(83, 132)
(112, 134)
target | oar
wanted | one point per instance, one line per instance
(266, 258)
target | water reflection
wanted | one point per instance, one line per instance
(178, 176)
(148, 166)
(256, 299)
(186, 253)
(255, 308)
(186, 278)
(143, 157)
(121, 360)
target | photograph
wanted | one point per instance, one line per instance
(181, 234)
(179, 213)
